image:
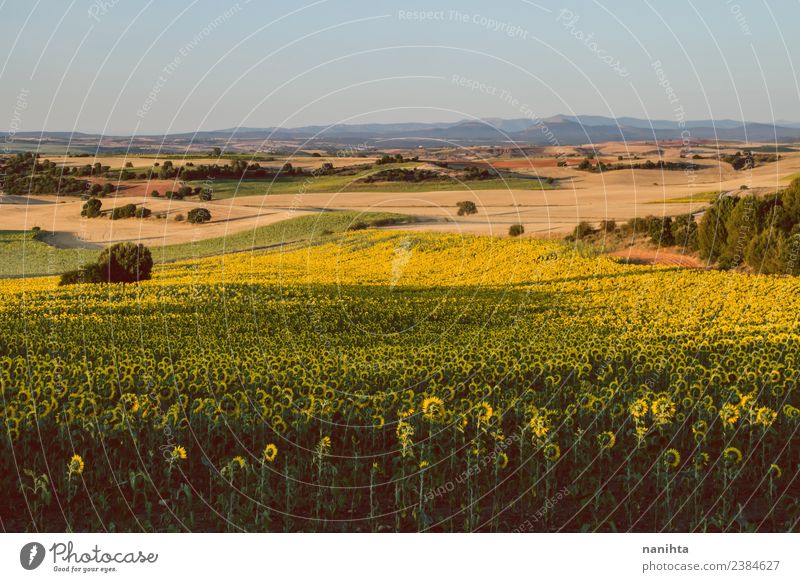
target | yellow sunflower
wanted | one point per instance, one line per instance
(270, 453)
(672, 458)
(607, 439)
(732, 455)
(433, 408)
(75, 466)
(552, 452)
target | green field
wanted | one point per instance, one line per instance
(337, 183)
(23, 254)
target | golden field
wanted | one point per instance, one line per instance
(403, 381)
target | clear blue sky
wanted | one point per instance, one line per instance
(105, 66)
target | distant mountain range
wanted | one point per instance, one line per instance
(556, 130)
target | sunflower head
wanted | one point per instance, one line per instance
(433, 409)
(672, 458)
(178, 453)
(729, 414)
(732, 456)
(75, 465)
(607, 440)
(765, 416)
(638, 408)
(270, 453)
(240, 461)
(485, 412)
(502, 460)
(552, 452)
(775, 471)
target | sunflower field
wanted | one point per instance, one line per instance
(398, 381)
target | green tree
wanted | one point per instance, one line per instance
(766, 252)
(126, 263)
(198, 215)
(466, 207)
(91, 208)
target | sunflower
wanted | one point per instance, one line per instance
(663, 409)
(729, 414)
(433, 408)
(607, 439)
(765, 416)
(538, 424)
(638, 408)
(701, 460)
(485, 412)
(672, 458)
(732, 455)
(423, 464)
(270, 452)
(179, 452)
(775, 471)
(552, 452)
(75, 466)
(324, 446)
(502, 460)
(239, 460)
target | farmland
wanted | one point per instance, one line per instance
(403, 381)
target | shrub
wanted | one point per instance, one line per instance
(155, 193)
(126, 263)
(199, 215)
(91, 208)
(127, 211)
(466, 207)
(358, 225)
(179, 218)
(143, 212)
(660, 231)
(609, 225)
(516, 230)
(582, 230)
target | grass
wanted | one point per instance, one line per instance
(23, 255)
(310, 184)
(708, 196)
(300, 230)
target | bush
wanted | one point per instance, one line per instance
(199, 215)
(206, 195)
(660, 230)
(155, 193)
(358, 225)
(127, 211)
(684, 231)
(609, 225)
(179, 218)
(466, 207)
(143, 212)
(582, 230)
(91, 208)
(119, 263)
(516, 230)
